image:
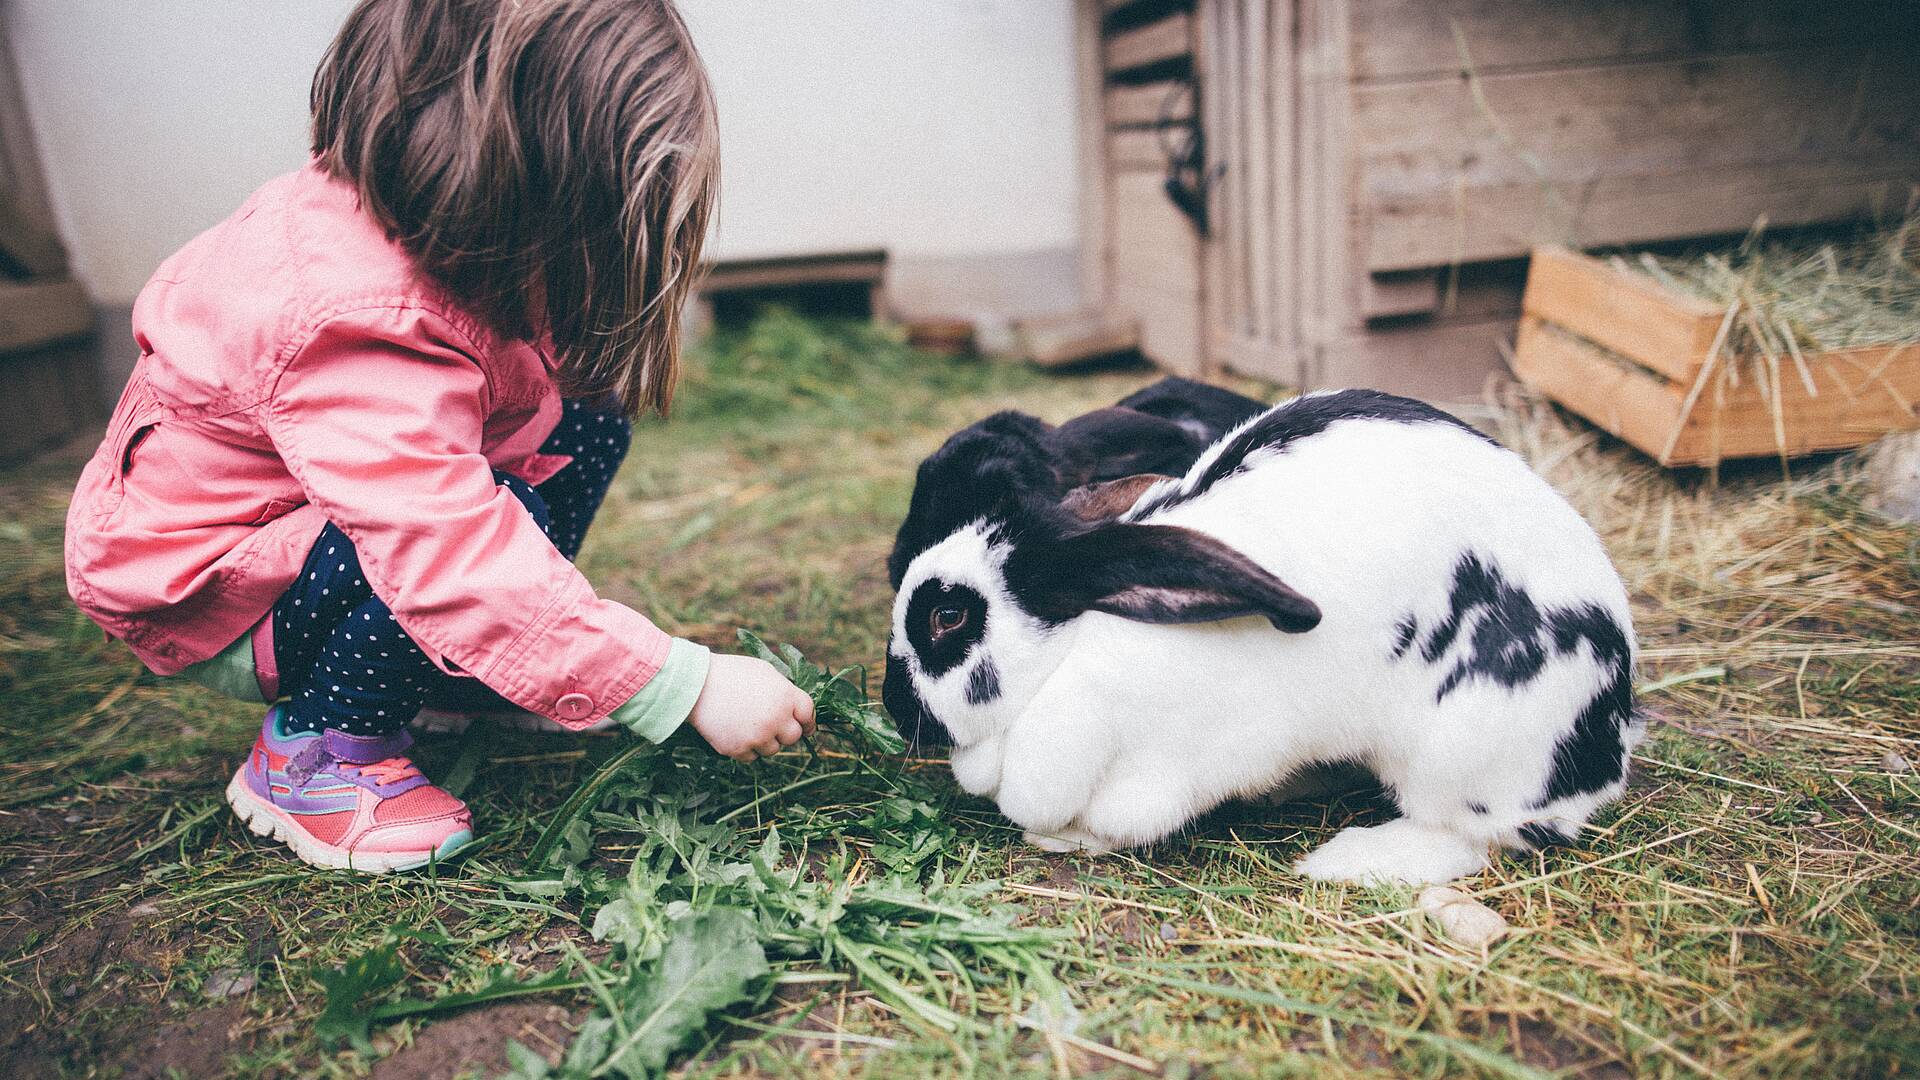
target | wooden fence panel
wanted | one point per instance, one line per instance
(1628, 152)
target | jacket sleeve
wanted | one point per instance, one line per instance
(379, 414)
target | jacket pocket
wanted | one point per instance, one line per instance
(127, 444)
(133, 421)
(136, 434)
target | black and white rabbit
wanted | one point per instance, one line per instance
(1348, 577)
(1163, 428)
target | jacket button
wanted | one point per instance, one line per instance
(574, 706)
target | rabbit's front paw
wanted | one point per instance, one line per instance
(1397, 853)
(1069, 839)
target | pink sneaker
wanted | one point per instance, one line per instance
(346, 802)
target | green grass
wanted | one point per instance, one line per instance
(1749, 909)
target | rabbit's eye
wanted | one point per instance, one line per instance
(946, 620)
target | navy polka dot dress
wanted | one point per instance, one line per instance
(344, 661)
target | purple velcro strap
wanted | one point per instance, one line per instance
(365, 749)
(311, 759)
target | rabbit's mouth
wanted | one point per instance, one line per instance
(910, 714)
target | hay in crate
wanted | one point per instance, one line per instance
(1765, 348)
(1793, 297)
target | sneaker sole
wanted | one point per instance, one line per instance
(435, 722)
(262, 818)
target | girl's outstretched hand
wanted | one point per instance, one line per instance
(748, 710)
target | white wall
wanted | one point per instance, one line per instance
(934, 129)
(155, 118)
(940, 129)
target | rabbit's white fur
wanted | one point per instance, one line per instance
(1108, 732)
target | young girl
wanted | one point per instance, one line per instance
(376, 408)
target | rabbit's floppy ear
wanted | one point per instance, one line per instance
(1110, 499)
(1111, 443)
(1150, 573)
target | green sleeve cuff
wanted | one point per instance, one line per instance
(231, 672)
(667, 700)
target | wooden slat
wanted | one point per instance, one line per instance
(1399, 39)
(1628, 313)
(1629, 153)
(1147, 104)
(1090, 130)
(1137, 150)
(1134, 280)
(1169, 325)
(1223, 111)
(1626, 402)
(1505, 222)
(1149, 230)
(1143, 10)
(857, 266)
(1166, 39)
(1147, 276)
(1273, 187)
(1852, 409)
(1276, 363)
(1154, 268)
(1389, 296)
(1440, 360)
(1062, 340)
(1477, 293)
(1322, 184)
(1257, 189)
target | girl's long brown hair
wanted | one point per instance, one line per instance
(553, 163)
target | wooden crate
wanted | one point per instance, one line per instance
(1632, 356)
(1369, 156)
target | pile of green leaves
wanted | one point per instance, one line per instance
(698, 929)
(733, 890)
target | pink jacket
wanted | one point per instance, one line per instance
(295, 369)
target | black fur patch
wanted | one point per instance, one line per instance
(1477, 807)
(1512, 639)
(1404, 631)
(1299, 419)
(937, 657)
(979, 469)
(1107, 444)
(983, 683)
(1208, 411)
(1592, 755)
(1543, 837)
(1508, 645)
